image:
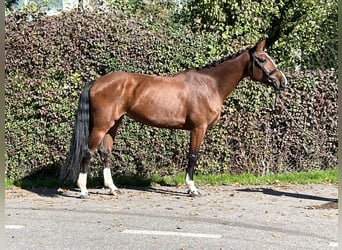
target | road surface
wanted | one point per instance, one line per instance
(224, 217)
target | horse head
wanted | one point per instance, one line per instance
(263, 68)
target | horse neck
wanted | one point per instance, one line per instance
(229, 73)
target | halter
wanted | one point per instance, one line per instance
(266, 75)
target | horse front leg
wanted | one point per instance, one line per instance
(189, 178)
(196, 139)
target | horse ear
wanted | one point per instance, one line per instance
(261, 44)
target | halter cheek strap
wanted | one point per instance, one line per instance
(266, 75)
(252, 59)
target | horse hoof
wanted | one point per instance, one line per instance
(194, 193)
(115, 192)
(84, 196)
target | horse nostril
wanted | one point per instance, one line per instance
(283, 83)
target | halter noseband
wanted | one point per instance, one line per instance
(266, 75)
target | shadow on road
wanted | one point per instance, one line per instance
(165, 191)
(270, 191)
(74, 192)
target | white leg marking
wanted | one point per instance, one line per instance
(82, 184)
(108, 181)
(191, 184)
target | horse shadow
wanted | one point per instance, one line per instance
(270, 191)
(45, 182)
(73, 192)
(160, 190)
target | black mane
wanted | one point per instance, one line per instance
(223, 59)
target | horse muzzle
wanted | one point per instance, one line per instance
(283, 83)
(278, 81)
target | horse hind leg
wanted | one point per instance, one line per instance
(95, 138)
(105, 153)
(82, 177)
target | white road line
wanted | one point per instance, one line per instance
(333, 244)
(14, 226)
(169, 233)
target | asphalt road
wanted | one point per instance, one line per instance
(224, 217)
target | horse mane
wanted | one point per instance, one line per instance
(223, 59)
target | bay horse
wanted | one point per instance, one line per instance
(190, 100)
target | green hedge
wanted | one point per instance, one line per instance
(302, 33)
(49, 59)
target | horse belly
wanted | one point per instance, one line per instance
(160, 110)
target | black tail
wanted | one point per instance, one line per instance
(79, 142)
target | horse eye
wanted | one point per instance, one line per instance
(262, 60)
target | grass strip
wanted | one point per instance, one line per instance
(312, 177)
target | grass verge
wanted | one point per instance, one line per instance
(312, 177)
